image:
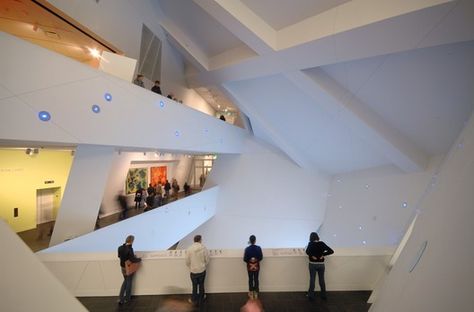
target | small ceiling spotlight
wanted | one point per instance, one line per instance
(94, 52)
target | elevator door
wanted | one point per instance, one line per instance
(45, 205)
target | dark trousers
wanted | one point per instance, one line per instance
(253, 280)
(198, 286)
(126, 289)
(313, 268)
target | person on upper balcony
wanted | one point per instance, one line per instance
(139, 81)
(156, 88)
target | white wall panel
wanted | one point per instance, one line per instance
(442, 279)
(83, 193)
(27, 284)
(368, 205)
(133, 117)
(164, 272)
(264, 193)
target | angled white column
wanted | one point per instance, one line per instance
(27, 285)
(83, 194)
(363, 121)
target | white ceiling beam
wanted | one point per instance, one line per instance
(242, 22)
(190, 50)
(424, 26)
(361, 120)
(295, 155)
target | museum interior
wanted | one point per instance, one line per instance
(167, 119)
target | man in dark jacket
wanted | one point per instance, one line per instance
(252, 256)
(125, 253)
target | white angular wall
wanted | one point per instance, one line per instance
(157, 229)
(83, 194)
(27, 285)
(443, 278)
(263, 193)
(37, 80)
(374, 207)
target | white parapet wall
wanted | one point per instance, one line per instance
(82, 105)
(165, 272)
(156, 229)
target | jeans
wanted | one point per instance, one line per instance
(313, 268)
(253, 280)
(126, 289)
(198, 282)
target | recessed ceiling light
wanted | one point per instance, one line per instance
(94, 52)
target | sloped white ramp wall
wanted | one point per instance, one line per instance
(157, 229)
(440, 276)
(35, 79)
(27, 285)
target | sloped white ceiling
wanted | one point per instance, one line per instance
(301, 122)
(206, 32)
(282, 13)
(371, 83)
(426, 94)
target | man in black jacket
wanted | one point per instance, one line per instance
(125, 253)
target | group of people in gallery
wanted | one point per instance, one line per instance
(197, 259)
(153, 197)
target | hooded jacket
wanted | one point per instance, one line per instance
(197, 257)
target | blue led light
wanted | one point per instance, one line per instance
(96, 108)
(162, 104)
(176, 133)
(404, 204)
(44, 116)
(108, 97)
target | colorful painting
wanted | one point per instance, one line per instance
(158, 175)
(136, 178)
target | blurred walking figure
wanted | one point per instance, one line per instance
(252, 305)
(122, 200)
(174, 305)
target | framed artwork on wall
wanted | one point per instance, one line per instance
(158, 175)
(136, 178)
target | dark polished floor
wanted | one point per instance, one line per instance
(338, 301)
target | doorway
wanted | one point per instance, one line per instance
(47, 204)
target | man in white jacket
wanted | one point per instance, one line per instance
(197, 258)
